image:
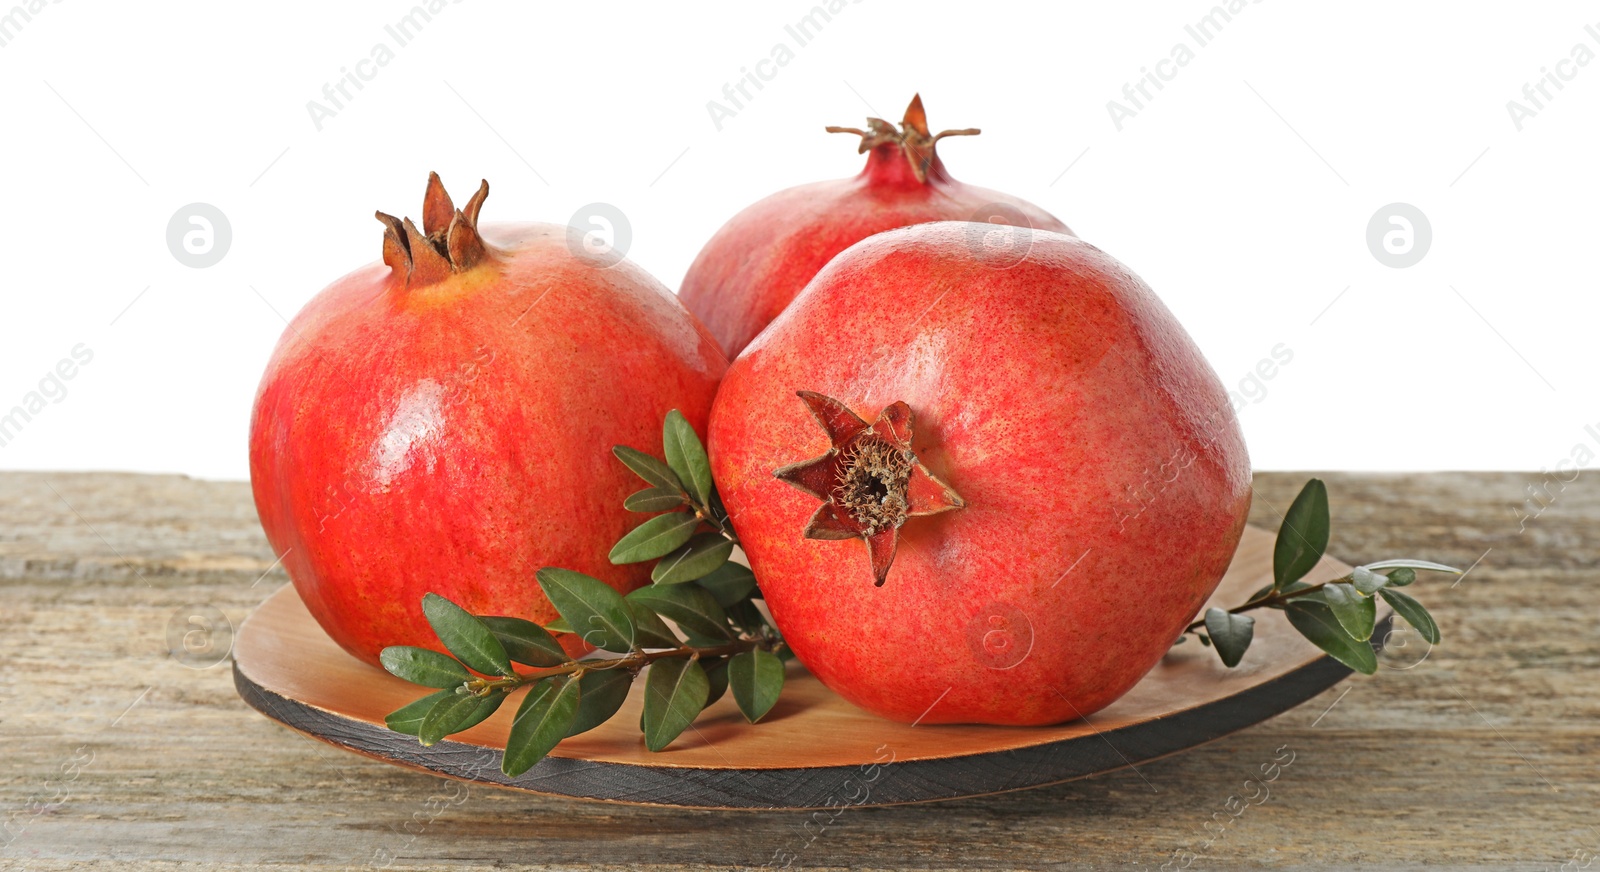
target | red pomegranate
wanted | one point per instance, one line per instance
(1008, 482)
(760, 260)
(443, 421)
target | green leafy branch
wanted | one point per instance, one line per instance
(726, 641)
(1338, 616)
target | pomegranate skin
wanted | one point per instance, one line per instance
(755, 265)
(1104, 478)
(456, 437)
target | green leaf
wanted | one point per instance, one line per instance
(601, 693)
(1407, 607)
(1367, 581)
(547, 710)
(466, 636)
(654, 538)
(594, 611)
(654, 472)
(729, 584)
(424, 667)
(704, 554)
(1355, 612)
(1303, 536)
(1230, 633)
(559, 625)
(756, 678)
(408, 718)
(648, 628)
(686, 456)
(693, 608)
(653, 499)
(1406, 563)
(525, 642)
(674, 693)
(717, 675)
(1402, 577)
(491, 704)
(454, 715)
(745, 615)
(1316, 622)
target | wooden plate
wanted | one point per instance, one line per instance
(813, 750)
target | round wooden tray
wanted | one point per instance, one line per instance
(813, 750)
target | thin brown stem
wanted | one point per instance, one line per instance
(632, 661)
(1267, 601)
(705, 514)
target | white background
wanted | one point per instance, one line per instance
(1241, 193)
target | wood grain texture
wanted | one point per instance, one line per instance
(814, 750)
(1484, 754)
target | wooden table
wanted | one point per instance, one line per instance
(1487, 752)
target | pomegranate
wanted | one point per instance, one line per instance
(1007, 484)
(760, 259)
(443, 421)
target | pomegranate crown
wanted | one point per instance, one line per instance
(448, 242)
(911, 136)
(870, 481)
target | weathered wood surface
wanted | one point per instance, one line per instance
(1486, 753)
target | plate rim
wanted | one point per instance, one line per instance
(909, 781)
(914, 780)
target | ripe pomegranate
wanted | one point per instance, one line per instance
(1008, 482)
(442, 421)
(760, 259)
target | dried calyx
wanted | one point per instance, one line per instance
(448, 242)
(911, 136)
(869, 480)
(872, 484)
